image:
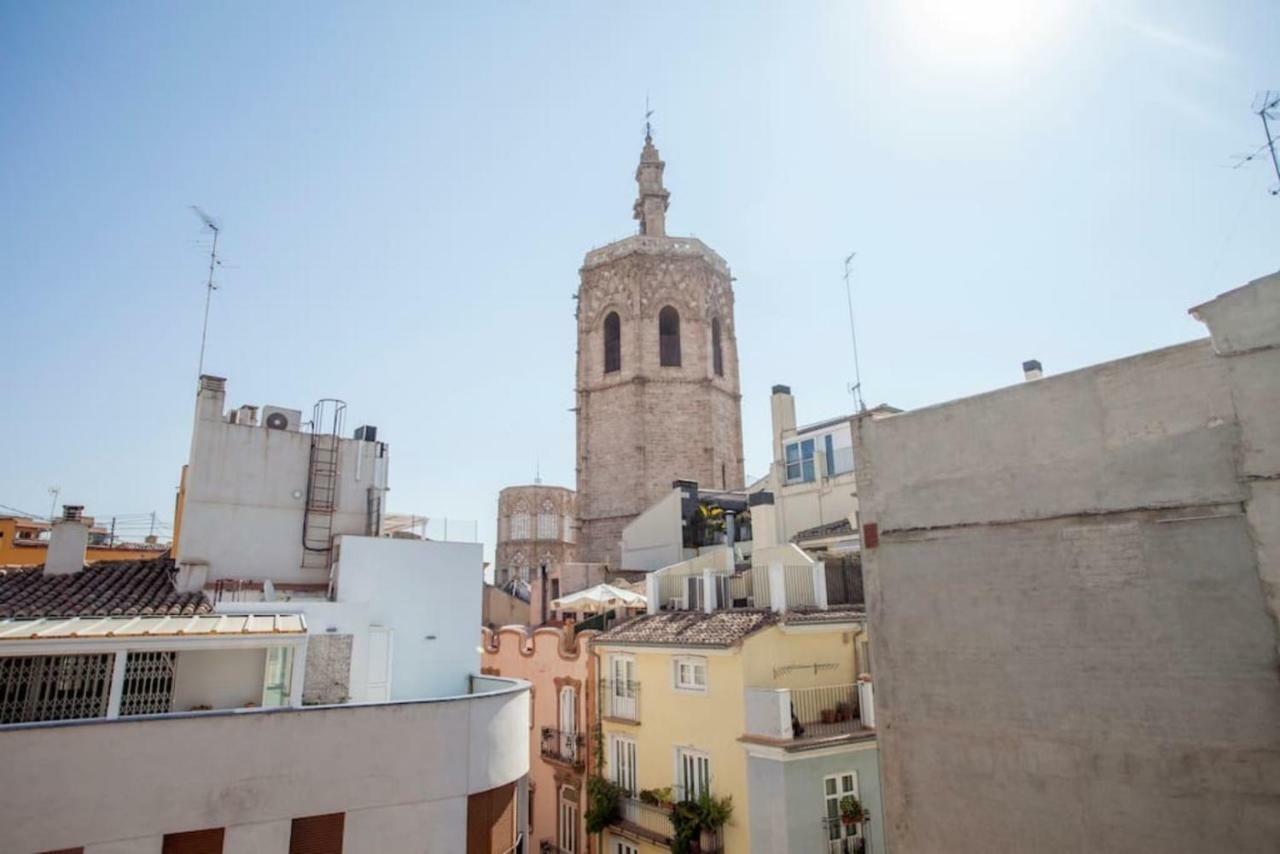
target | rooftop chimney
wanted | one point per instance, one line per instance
(782, 411)
(68, 540)
(1031, 370)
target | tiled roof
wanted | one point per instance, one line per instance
(834, 614)
(840, 528)
(690, 628)
(104, 588)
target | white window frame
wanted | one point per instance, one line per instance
(806, 466)
(622, 700)
(699, 763)
(622, 763)
(690, 665)
(567, 837)
(834, 824)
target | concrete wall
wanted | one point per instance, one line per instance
(252, 481)
(219, 678)
(787, 796)
(655, 538)
(500, 608)
(428, 593)
(402, 773)
(1072, 644)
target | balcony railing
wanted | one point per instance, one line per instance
(620, 700)
(787, 714)
(563, 746)
(651, 820)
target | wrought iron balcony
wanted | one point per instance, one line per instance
(563, 746)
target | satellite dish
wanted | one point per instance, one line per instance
(278, 421)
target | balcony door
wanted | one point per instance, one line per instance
(840, 836)
(622, 688)
(569, 723)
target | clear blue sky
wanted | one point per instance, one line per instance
(407, 193)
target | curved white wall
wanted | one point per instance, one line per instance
(401, 772)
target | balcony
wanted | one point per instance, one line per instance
(794, 717)
(783, 579)
(564, 747)
(620, 700)
(653, 823)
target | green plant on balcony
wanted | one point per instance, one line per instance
(657, 797)
(695, 822)
(851, 811)
(602, 803)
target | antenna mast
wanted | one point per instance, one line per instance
(856, 388)
(210, 287)
(1269, 102)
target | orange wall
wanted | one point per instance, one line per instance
(15, 552)
(542, 656)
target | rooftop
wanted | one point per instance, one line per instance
(839, 528)
(690, 628)
(206, 625)
(104, 588)
(833, 614)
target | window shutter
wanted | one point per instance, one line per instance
(317, 834)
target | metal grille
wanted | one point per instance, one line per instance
(54, 687)
(148, 684)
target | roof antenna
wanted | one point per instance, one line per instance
(213, 226)
(1270, 101)
(537, 472)
(856, 388)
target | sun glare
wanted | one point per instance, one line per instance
(981, 32)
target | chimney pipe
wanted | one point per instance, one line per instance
(1031, 370)
(68, 540)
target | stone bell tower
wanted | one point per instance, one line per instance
(657, 387)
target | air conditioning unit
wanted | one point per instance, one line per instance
(279, 418)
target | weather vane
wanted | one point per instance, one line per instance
(648, 129)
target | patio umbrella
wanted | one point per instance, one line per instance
(602, 597)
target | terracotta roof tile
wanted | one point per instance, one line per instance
(834, 614)
(838, 528)
(104, 588)
(690, 628)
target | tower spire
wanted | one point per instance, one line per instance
(651, 205)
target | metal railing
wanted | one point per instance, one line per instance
(842, 839)
(562, 746)
(742, 588)
(798, 580)
(824, 711)
(620, 700)
(651, 819)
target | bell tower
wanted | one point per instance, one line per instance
(657, 378)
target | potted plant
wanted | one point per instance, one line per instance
(851, 811)
(828, 716)
(602, 803)
(843, 711)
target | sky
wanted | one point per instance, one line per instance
(406, 192)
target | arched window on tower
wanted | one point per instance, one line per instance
(612, 342)
(669, 337)
(717, 356)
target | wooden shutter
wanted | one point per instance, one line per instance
(194, 842)
(317, 834)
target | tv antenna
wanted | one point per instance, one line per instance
(211, 224)
(856, 388)
(1267, 106)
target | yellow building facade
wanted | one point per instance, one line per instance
(684, 695)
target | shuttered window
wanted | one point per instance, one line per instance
(194, 842)
(317, 834)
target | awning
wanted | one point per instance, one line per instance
(200, 625)
(599, 598)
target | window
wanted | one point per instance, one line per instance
(194, 842)
(717, 357)
(693, 773)
(839, 451)
(623, 753)
(622, 846)
(279, 677)
(612, 343)
(669, 337)
(568, 723)
(691, 673)
(547, 526)
(520, 526)
(568, 820)
(622, 688)
(800, 461)
(834, 788)
(317, 834)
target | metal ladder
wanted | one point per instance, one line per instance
(322, 484)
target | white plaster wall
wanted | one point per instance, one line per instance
(267, 837)
(434, 827)
(655, 538)
(243, 478)
(219, 678)
(429, 594)
(133, 779)
(141, 845)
